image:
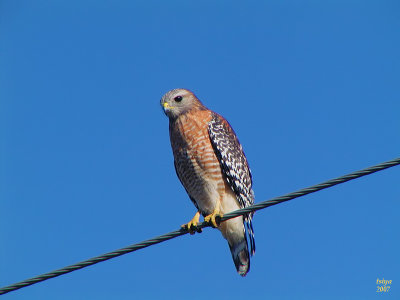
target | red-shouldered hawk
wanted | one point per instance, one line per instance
(213, 169)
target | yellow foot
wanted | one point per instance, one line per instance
(214, 218)
(191, 226)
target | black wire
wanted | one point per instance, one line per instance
(183, 231)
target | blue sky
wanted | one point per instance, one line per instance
(310, 87)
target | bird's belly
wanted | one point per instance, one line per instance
(206, 196)
(203, 182)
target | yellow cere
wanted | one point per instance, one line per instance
(166, 105)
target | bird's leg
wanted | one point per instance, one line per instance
(191, 226)
(212, 217)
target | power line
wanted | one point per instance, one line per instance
(176, 233)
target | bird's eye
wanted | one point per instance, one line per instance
(178, 98)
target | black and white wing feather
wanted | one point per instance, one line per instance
(234, 166)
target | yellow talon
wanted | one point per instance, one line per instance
(193, 223)
(211, 218)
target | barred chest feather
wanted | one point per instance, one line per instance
(196, 164)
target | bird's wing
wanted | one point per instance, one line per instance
(232, 159)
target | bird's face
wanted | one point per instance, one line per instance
(177, 102)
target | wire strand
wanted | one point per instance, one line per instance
(183, 231)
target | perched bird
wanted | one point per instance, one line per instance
(213, 169)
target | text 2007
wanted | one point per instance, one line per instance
(380, 289)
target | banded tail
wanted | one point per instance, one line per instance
(240, 248)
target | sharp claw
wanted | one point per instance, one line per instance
(192, 225)
(214, 219)
(189, 228)
(217, 219)
(192, 229)
(214, 223)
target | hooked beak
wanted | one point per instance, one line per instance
(166, 106)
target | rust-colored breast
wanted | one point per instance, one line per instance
(196, 164)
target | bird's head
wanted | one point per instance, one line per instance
(179, 101)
